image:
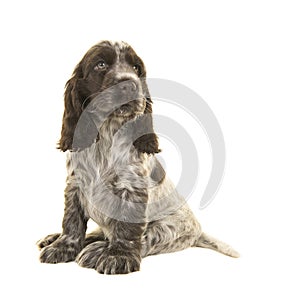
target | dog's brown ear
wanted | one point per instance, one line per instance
(147, 143)
(73, 109)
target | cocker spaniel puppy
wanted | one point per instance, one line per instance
(114, 177)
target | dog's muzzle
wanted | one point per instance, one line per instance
(129, 98)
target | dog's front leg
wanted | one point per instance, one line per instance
(66, 247)
(125, 230)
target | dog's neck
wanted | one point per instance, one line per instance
(109, 128)
(115, 137)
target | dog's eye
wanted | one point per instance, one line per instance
(101, 65)
(137, 68)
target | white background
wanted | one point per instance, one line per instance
(242, 57)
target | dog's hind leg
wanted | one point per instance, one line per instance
(177, 232)
(47, 240)
(92, 237)
(95, 236)
(174, 232)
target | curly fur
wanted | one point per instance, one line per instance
(114, 177)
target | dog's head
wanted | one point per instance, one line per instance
(112, 75)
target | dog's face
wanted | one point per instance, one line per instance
(112, 75)
(114, 70)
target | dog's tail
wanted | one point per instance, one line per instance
(206, 241)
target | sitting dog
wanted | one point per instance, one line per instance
(114, 177)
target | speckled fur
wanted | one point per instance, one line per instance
(126, 192)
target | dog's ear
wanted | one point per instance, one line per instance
(148, 109)
(147, 143)
(73, 109)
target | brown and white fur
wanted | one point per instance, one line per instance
(114, 177)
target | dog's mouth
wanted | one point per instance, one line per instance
(131, 109)
(123, 110)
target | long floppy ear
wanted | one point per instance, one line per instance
(73, 103)
(147, 143)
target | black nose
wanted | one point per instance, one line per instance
(128, 86)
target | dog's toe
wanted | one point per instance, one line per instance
(89, 255)
(111, 262)
(64, 249)
(48, 240)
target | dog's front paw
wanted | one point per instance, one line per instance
(147, 143)
(64, 249)
(46, 241)
(90, 254)
(117, 261)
